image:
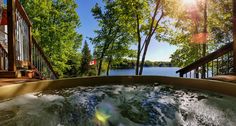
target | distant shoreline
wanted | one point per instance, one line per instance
(144, 67)
(130, 64)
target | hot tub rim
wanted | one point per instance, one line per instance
(9, 91)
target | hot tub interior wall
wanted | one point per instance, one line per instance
(210, 85)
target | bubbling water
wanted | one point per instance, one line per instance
(119, 106)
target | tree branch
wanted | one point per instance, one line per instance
(152, 24)
(157, 24)
(153, 19)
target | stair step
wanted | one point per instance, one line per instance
(8, 74)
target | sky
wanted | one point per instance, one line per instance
(158, 51)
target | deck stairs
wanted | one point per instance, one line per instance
(22, 72)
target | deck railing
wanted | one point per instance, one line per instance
(40, 62)
(18, 49)
(27, 47)
(22, 35)
(216, 63)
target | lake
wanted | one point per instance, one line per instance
(161, 71)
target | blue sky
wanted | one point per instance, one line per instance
(158, 51)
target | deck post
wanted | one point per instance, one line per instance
(30, 46)
(181, 74)
(197, 73)
(11, 18)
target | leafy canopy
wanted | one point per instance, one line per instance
(54, 26)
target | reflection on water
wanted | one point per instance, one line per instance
(119, 106)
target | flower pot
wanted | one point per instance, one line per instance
(29, 74)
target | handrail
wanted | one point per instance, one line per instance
(202, 61)
(23, 13)
(34, 43)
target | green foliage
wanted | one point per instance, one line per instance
(54, 26)
(73, 70)
(85, 60)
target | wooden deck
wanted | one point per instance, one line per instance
(8, 81)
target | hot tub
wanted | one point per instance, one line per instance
(119, 101)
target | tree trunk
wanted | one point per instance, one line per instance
(139, 46)
(108, 66)
(100, 66)
(144, 56)
(204, 46)
(106, 46)
(100, 62)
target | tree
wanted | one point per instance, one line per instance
(74, 63)
(54, 26)
(147, 18)
(153, 25)
(112, 37)
(135, 13)
(85, 60)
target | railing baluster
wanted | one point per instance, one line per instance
(207, 69)
(221, 65)
(217, 66)
(228, 55)
(4, 61)
(212, 68)
(33, 54)
(41, 65)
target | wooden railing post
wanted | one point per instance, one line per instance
(30, 46)
(181, 74)
(11, 17)
(197, 73)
